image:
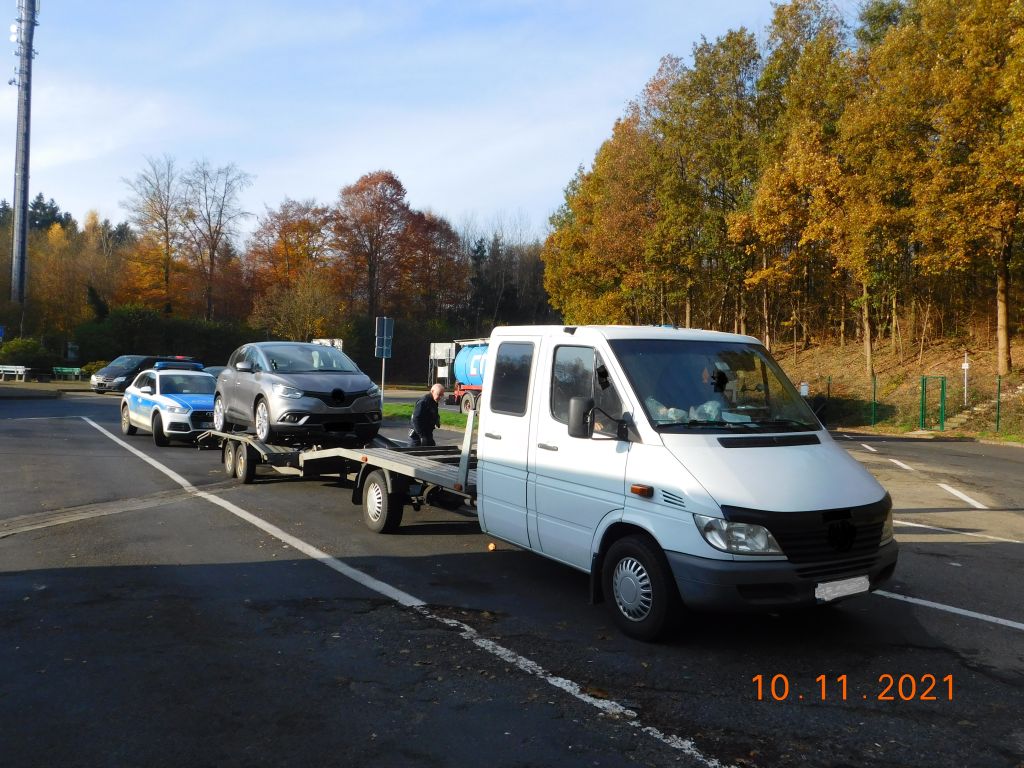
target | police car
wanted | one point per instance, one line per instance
(172, 400)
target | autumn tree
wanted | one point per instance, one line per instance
(287, 242)
(211, 213)
(368, 224)
(157, 207)
(300, 309)
(970, 188)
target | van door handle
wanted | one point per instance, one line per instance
(492, 435)
(547, 447)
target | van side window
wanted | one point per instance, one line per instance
(572, 375)
(510, 386)
(580, 372)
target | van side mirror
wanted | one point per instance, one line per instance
(580, 424)
(243, 366)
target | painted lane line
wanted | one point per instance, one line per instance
(962, 496)
(873, 450)
(952, 530)
(364, 579)
(902, 465)
(607, 706)
(951, 609)
(152, 462)
(528, 666)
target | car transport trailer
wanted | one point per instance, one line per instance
(385, 475)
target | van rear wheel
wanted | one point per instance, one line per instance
(638, 587)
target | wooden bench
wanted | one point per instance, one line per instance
(16, 372)
(67, 374)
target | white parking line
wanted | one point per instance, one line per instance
(528, 666)
(873, 450)
(951, 530)
(902, 465)
(951, 609)
(962, 496)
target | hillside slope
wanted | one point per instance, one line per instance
(836, 374)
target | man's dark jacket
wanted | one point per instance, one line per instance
(425, 416)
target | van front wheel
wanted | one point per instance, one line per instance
(638, 587)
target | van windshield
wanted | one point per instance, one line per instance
(687, 385)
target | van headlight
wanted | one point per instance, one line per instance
(737, 538)
(283, 390)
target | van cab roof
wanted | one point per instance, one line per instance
(623, 332)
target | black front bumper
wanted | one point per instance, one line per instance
(732, 585)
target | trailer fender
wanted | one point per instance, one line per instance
(396, 483)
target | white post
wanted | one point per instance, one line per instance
(966, 365)
(383, 360)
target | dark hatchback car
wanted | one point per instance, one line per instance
(121, 371)
(290, 391)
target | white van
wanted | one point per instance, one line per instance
(680, 468)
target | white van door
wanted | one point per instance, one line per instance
(576, 482)
(501, 443)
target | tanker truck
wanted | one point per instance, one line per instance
(469, 367)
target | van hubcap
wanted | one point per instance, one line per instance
(632, 587)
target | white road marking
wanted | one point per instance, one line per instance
(528, 666)
(848, 437)
(962, 496)
(873, 450)
(152, 462)
(951, 609)
(951, 530)
(902, 465)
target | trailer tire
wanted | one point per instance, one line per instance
(468, 403)
(639, 588)
(230, 447)
(245, 466)
(382, 511)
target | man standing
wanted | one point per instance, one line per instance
(425, 417)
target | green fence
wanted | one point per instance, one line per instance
(988, 404)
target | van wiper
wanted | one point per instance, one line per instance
(694, 423)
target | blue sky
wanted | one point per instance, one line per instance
(484, 110)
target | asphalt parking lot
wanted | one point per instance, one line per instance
(153, 612)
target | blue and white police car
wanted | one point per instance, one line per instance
(172, 400)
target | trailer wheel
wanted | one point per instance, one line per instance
(638, 587)
(382, 511)
(230, 446)
(245, 467)
(468, 403)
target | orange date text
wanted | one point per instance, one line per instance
(887, 687)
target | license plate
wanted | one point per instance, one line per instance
(831, 590)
